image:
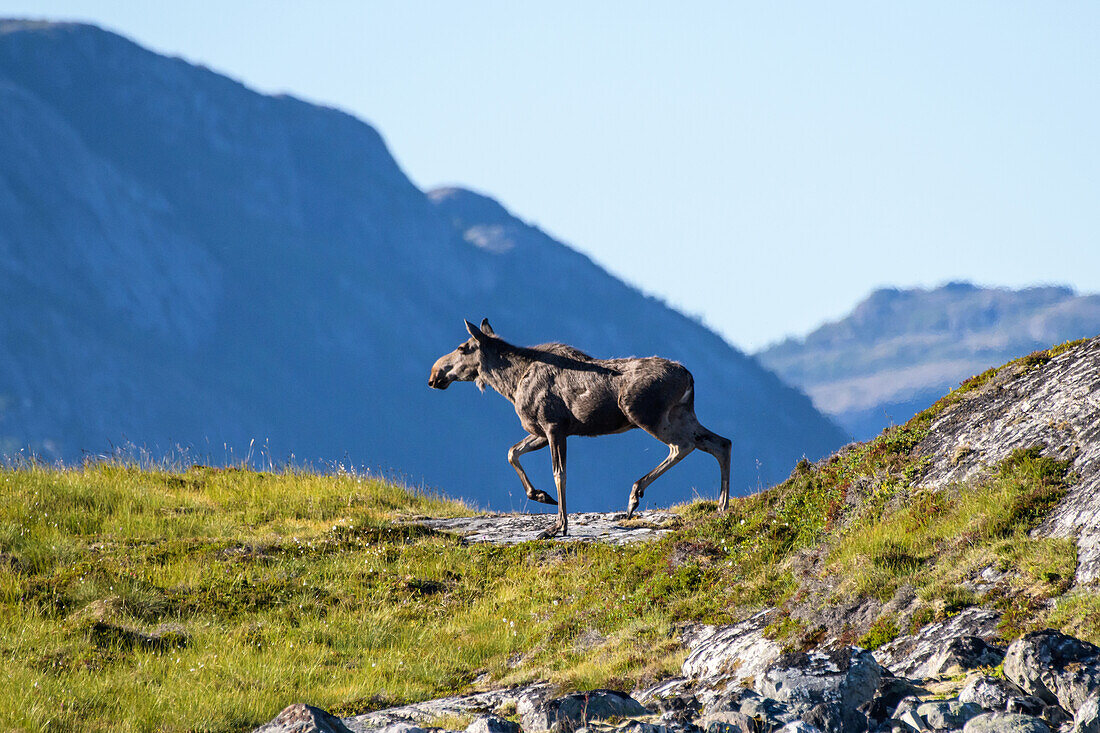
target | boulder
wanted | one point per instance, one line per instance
(992, 693)
(302, 718)
(948, 714)
(402, 728)
(798, 726)
(682, 708)
(891, 691)
(830, 717)
(931, 651)
(962, 654)
(567, 714)
(1056, 668)
(848, 676)
(492, 724)
(735, 653)
(1005, 723)
(769, 714)
(1087, 719)
(1026, 704)
(728, 722)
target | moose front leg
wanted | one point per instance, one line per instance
(528, 444)
(557, 460)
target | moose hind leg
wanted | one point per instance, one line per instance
(557, 459)
(721, 448)
(528, 444)
(676, 453)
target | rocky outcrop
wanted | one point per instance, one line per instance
(480, 704)
(736, 680)
(1054, 404)
(1006, 723)
(958, 642)
(846, 676)
(1056, 668)
(302, 718)
(569, 713)
(608, 527)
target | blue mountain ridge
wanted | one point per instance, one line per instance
(188, 263)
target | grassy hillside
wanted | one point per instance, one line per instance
(209, 599)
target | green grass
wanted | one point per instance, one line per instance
(210, 599)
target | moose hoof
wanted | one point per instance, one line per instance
(543, 498)
(549, 533)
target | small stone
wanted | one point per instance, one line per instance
(567, 714)
(961, 654)
(848, 676)
(1087, 719)
(728, 722)
(948, 714)
(992, 693)
(492, 724)
(797, 726)
(1025, 704)
(1056, 668)
(302, 718)
(1005, 723)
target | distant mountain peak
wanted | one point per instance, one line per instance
(900, 348)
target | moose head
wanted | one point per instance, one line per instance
(463, 364)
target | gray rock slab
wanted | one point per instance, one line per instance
(848, 676)
(1005, 723)
(483, 703)
(492, 724)
(948, 714)
(992, 693)
(567, 714)
(728, 722)
(921, 655)
(1056, 668)
(720, 658)
(511, 529)
(302, 718)
(1056, 404)
(1087, 719)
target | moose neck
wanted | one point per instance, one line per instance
(504, 370)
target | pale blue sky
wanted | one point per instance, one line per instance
(761, 165)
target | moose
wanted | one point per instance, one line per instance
(560, 391)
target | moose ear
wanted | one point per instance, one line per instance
(475, 332)
(486, 328)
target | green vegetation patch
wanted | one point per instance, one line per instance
(939, 541)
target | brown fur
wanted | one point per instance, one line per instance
(560, 391)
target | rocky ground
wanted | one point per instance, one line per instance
(953, 674)
(610, 527)
(736, 680)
